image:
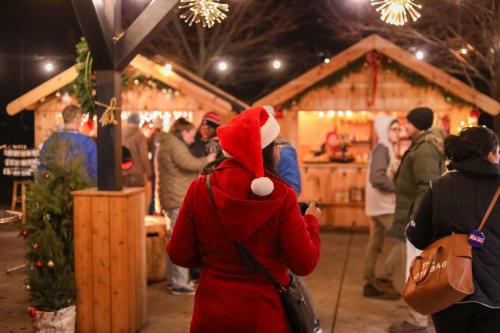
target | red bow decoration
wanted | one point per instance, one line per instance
(373, 60)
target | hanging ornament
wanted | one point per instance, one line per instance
(35, 246)
(51, 264)
(25, 233)
(206, 12)
(396, 12)
(39, 264)
(46, 175)
(32, 312)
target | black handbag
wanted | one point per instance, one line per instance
(298, 311)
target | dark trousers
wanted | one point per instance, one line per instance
(467, 318)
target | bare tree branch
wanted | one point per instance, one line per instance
(445, 28)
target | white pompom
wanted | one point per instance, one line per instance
(262, 186)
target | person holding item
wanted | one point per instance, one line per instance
(253, 206)
(456, 203)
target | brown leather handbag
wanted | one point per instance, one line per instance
(442, 274)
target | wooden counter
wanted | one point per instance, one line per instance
(338, 188)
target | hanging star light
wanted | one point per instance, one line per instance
(396, 12)
(207, 12)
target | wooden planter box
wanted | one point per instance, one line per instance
(110, 263)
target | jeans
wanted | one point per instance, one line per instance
(467, 318)
(378, 227)
(177, 277)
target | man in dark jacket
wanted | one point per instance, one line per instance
(422, 163)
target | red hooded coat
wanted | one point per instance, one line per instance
(229, 298)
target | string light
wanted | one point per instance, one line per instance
(206, 12)
(167, 69)
(49, 67)
(396, 12)
(463, 50)
(420, 55)
(277, 64)
(222, 66)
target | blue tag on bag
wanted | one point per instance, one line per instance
(476, 238)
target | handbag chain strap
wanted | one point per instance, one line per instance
(250, 260)
(490, 209)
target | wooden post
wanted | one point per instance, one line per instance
(109, 138)
(110, 265)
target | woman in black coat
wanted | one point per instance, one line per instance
(457, 203)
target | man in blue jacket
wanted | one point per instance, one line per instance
(83, 146)
(288, 166)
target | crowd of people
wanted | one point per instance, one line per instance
(224, 186)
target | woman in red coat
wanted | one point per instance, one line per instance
(255, 207)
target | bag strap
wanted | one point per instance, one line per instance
(250, 260)
(490, 208)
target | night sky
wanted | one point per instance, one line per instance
(34, 32)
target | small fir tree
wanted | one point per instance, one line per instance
(48, 231)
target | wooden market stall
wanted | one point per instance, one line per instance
(113, 262)
(150, 89)
(343, 97)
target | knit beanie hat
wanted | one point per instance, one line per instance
(421, 118)
(243, 139)
(211, 119)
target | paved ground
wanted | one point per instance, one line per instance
(172, 314)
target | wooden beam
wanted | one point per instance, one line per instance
(304, 81)
(437, 76)
(142, 30)
(35, 95)
(151, 68)
(375, 42)
(95, 27)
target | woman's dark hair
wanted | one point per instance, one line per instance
(269, 158)
(267, 155)
(472, 142)
(181, 125)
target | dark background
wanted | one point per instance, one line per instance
(34, 32)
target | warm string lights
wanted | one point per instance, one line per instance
(206, 12)
(396, 12)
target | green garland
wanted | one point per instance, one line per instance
(388, 65)
(418, 80)
(85, 84)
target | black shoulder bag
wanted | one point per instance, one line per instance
(298, 311)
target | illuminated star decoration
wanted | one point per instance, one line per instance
(207, 12)
(396, 12)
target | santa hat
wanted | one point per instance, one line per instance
(211, 119)
(243, 139)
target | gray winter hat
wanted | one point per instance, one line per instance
(134, 119)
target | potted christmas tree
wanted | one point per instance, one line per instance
(48, 233)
